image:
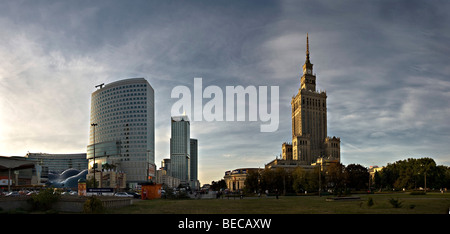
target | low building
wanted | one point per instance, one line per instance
(235, 179)
(288, 165)
(16, 172)
(109, 179)
(162, 177)
(57, 163)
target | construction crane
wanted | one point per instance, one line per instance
(100, 85)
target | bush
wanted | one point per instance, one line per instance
(370, 202)
(395, 203)
(93, 205)
(44, 200)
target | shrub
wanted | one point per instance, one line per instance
(44, 200)
(395, 203)
(93, 205)
(370, 202)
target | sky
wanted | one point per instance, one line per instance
(385, 66)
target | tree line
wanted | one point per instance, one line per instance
(338, 179)
(413, 174)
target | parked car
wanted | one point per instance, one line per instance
(31, 193)
(23, 192)
(122, 194)
(135, 195)
(13, 194)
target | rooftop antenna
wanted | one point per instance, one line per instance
(100, 85)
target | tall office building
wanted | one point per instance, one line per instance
(122, 131)
(194, 183)
(180, 149)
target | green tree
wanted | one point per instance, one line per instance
(283, 181)
(377, 183)
(93, 205)
(252, 181)
(412, 173)
(299, 177)
(267, 179)
(90, 183)
(306, 180)
(216, 186)
(357, 176)
(336, 178)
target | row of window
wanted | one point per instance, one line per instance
(112, 137)
(122, 89)
(126, 117)
(310, 103)
(335, 145)
(119, 102)
(115, 120)
(123, 114)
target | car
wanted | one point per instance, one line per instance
(31, 193)
(135, 195)
(73, 193)
(13, 194)
(122, 194)
(23, 192)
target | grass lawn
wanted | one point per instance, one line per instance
(432, 203)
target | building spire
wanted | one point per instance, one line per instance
(307, 49)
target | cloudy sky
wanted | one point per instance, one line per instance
(385, 66)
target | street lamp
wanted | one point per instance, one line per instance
(93, 125)
(424, 176)
(320, 174)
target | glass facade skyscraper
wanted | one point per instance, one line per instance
(180, 148)
(194, 159)
(123, 112)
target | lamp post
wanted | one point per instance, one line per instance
(93, 125)
(320, 175)
(424, 176)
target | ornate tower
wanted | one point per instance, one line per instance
(309, 117)
(308, 80)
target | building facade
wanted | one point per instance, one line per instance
(180, 150)
(235, 179)
(122, 129)
(57, 163)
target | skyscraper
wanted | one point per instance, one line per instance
(194, 163)
(309, 120)
(123, 123)
(180, 148)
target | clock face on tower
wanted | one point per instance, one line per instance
(307, 71)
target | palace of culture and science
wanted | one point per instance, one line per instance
(310, 143)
